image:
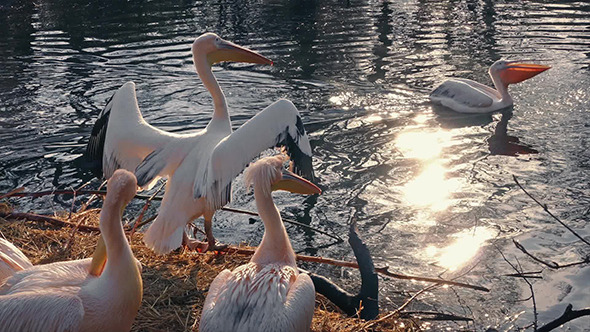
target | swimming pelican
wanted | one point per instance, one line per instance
(269, 293)
(86, 294)
(200, 165)
(467, 96)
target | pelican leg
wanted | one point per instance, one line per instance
(213, 244)
(192, 244)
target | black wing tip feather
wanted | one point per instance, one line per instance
(92, 157)
(302, 163)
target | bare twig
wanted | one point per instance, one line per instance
(401, 308)
(544, 206)
(551, 264)
(145, 207)
(51, 220)
(291, 221)
(567, 316)
(157, 198)
(381, 270)
(92, 198)
(530, 287)
(12, 192)
(434, 316)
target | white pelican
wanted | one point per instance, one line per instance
(269, 293)
(86, 294)
(467, 96)
(200, 165)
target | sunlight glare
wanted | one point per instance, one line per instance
(423, 145)
(465, 247)
(431, 188)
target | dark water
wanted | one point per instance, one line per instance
(433, 193)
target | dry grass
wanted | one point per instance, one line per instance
(175, 285)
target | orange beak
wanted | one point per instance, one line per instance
(518, 72)
(294, 183)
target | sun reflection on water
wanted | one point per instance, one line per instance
(431, 188)
(465, 246)
(423, 145)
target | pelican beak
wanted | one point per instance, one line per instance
(517, 72)
(228, 51)
(99, 258)
(293, 183)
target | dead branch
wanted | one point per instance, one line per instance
(145, 207)
(544, 206)
(381, 270)
(291, 221)
(12, 192)
(17, 193)
(434, 316)
(535, 322)
(40, 218)
(551, 264)
(567, 316)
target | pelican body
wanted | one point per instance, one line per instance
(201, 165)
(268, 293)
(467, 96)
(86, 294)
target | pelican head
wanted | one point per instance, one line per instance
(121, 189)
(215, 49)
(269, 175)
(511, 72)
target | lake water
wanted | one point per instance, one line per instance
(433, 193)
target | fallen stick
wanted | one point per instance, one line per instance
(15, 193)
(51, 220)
(382, 270)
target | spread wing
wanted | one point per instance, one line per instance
(465, 92)
(277, 125)
(36, 311)
(121, 138)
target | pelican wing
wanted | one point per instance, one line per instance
(214, 290)
(11, 260)
(300, 303)
(466, 92)
(277, 125)
(36, 311)
(120, 137)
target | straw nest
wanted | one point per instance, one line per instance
(174, 285)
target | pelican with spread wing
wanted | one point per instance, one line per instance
(200, 166)
(467, 96)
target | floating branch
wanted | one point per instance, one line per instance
(544, 206)
(567, 316)
(551, 264)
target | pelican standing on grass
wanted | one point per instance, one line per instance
(269, 293)
(467, 96)
(200, 165)
(86, 294)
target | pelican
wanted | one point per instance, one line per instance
(467, 96)
(268, 293)
(81, 295)
(201, 165)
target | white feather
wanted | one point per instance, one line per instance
(11, 260)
